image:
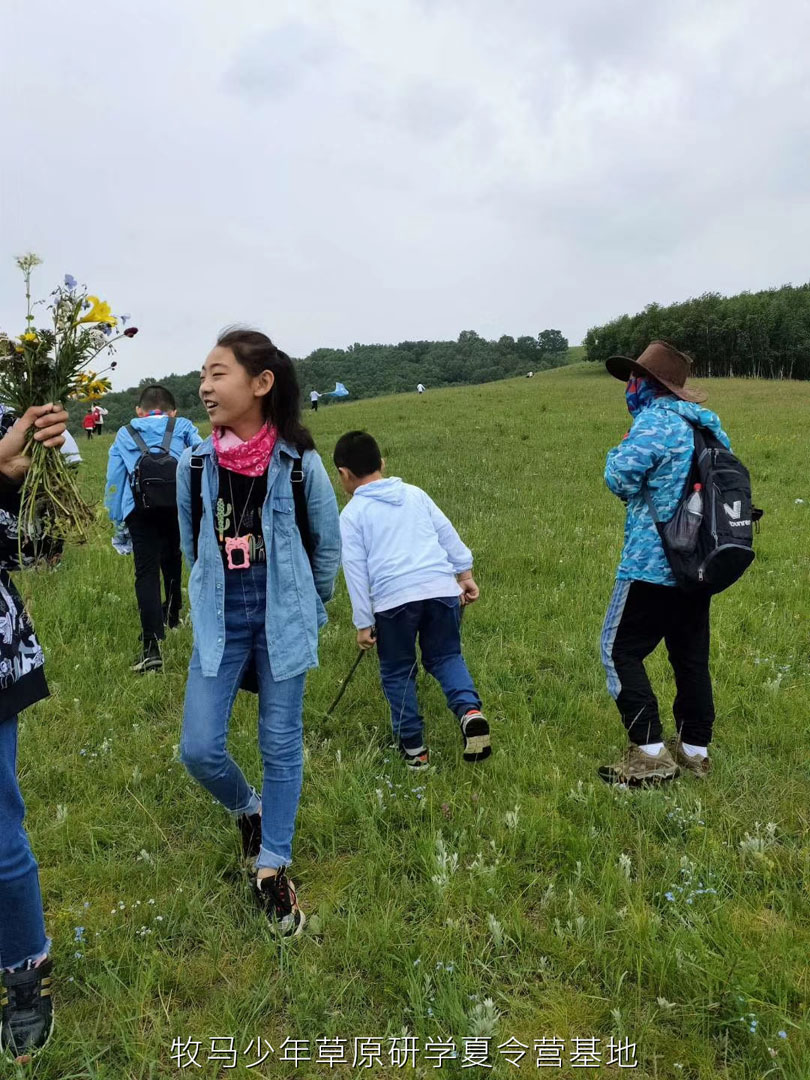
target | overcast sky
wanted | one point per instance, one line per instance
(374, 170)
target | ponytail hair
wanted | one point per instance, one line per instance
(282, 406)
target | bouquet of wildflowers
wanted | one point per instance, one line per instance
(52, 364)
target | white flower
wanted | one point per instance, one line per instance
(495, 929)
(484, 1019)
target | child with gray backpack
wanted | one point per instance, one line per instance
(141, 498)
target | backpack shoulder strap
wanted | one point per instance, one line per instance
(138, 438)
(300, 501)
(196, 464)
(168, 434)
(645, 491)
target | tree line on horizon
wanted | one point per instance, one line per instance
(763, 334)
(373, 370)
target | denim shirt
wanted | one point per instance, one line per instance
(296, 592)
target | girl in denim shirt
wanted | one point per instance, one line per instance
(257, 598)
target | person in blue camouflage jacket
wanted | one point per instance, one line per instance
(646, 606)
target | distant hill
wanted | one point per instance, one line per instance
(372, 370)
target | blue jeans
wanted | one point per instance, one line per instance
(209, 702)
(22, 924)
(437, 624)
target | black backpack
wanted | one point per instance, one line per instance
(250, 681)
(154, 478)
(714, 555)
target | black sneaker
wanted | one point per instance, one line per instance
(415, 757)
(250, 828)
(151, 659)
(475, 731)
(277, 898)
(27, 1014)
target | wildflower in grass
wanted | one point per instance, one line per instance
(78, 933)
(626, 865)
(446, 864)
(483, 1019)
(495, 929)
(762, 838)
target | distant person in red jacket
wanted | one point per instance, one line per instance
(89, 423)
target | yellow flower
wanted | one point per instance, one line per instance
(29, 336)
(99, 312)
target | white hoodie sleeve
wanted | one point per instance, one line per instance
(355, 570)
(457, 552)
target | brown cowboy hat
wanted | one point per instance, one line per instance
(666, 364)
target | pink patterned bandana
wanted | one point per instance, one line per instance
(249, 458)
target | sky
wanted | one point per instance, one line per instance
(366, 171)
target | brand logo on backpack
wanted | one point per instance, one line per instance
(734, 515)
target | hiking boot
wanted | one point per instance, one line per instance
(151, 659)
(277, 898)
(475, 731)
(27, 1011)
(415, 757)
(693, 763)
(250, 828)
(637, 769)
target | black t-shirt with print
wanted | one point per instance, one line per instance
(238, 513)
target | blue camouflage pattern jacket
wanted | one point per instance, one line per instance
(657, 452)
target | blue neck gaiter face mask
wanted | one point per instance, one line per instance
(639, 395)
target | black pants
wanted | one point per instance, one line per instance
(89, 432)
(639, 617)
(156, 550)
(313, 405)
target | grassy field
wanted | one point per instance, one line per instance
(517, 899)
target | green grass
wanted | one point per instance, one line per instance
(524, 881)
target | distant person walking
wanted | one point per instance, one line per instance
(98, 416)
(654, 462)
(420, 388)
(89, 423)
(313, 400)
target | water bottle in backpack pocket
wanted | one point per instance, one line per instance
(682, 530)
(709, 540)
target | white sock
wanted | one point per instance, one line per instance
(695, 751)
(652, 748)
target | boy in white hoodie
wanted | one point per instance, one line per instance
(408, 574)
